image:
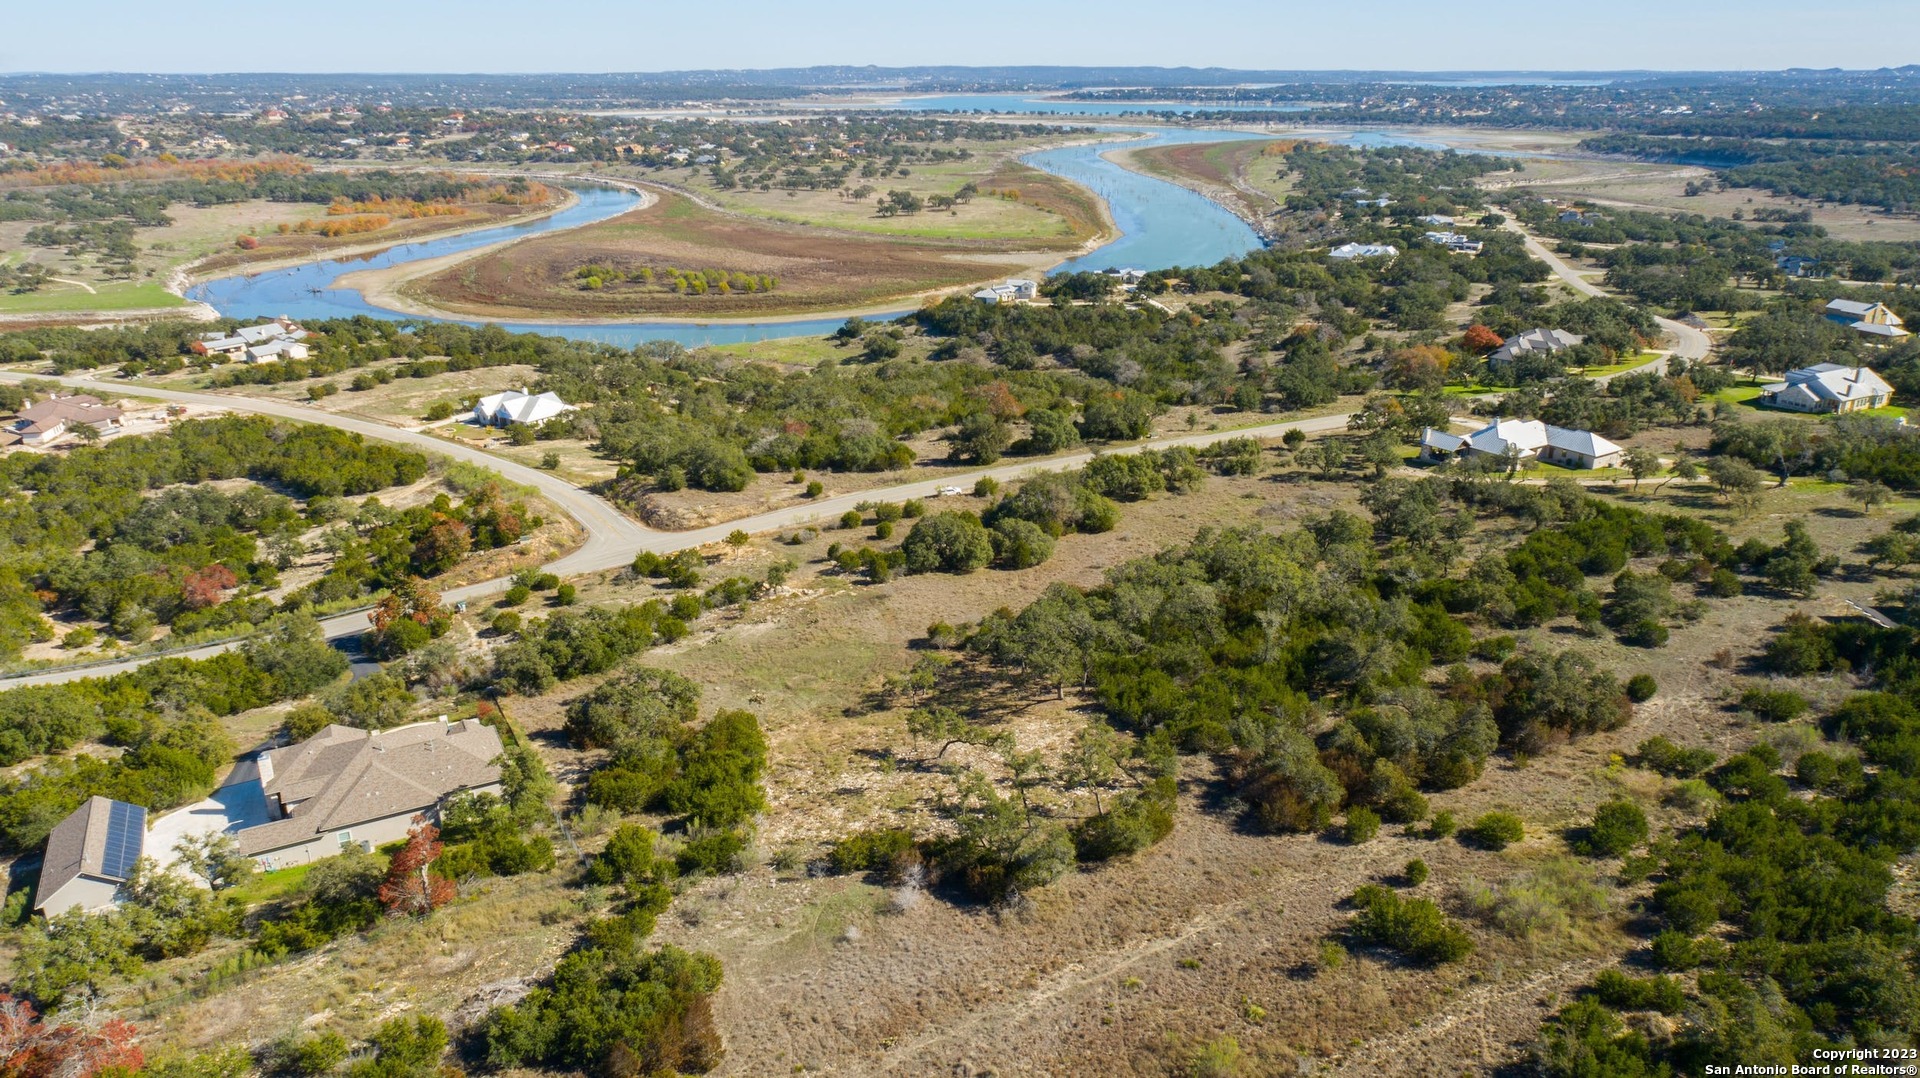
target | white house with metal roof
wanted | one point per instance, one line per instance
(1347, 252)
(1871, 319)
(1828, 387)
(1525, 440)
(90, 856)
(518, 406)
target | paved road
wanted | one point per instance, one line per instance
(612, 538)
(1688, 343)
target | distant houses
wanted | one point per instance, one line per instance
(90, 857)
(46, 422)
(1523, 440)
(518, 406)
(1015, 290)
(267, 342)
(1828, 387)
(1348, 252)
(1435, 220)
(1871, 319)
(1534, 342)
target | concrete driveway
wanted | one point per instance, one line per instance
(240, 803)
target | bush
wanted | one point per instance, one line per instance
(986, 487)
(851, 519)
(517, 594)
(1020, 544)
(1416, 872)
(1774, 705)
(506, 622)
(1442, 825)
(1658, 754)
(1675, 950)
(1362, 824)
(565, 595)
(1413, 927)
(1641, 687)
(815, 488)
(1495, 831)
(951, 542)
(1618, 826)
(886, 851)
(1623, 993)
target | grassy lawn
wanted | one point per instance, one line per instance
(271, 886)
(122, 296)
(1615, 368)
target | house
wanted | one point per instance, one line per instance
(1015, 290)
(1532, 342)
(1454, 241)
(1436, 220)
(1382, 202)
(1347, 252)
(1574, 217)
(349, 787)
(1828, 387)
(1524, 440)
(1797, 265)
(1873, 319)
(247, 337)
(277, 349)
(45, 422)
(518, 406)
(90, 856)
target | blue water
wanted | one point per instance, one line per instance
(1161, 224)
(1022, 103)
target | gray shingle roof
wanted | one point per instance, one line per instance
(342, 776)
(102, 838)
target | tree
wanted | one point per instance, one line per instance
(980, 438)
(1618, 826)
(1094, 759)
(1737, 481)
(206, 586)
(1641, 462)
(31, 1047)
(1480, 339)
(410, 888)
(1869, 494)
(215, 858)
(951, 542)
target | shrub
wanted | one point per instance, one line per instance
(986, 487)
(1618, 826)
(1547, 899)
(1413, 927)
(1624, 993)
(1773, 705)
(885, 851)
(1362, 824)
(815, 488)
(517, 594)
(506, 622)
(1658, 754)
(851, 519)
(1641, 687)
(883, 530)
(1416, 872)
(1495, 831)
(565, 595)
(1441, 826)
(1675, 950)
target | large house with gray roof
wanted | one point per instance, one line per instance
(90, 856)
(1870, 319)
(349, 787)
(1531, 342)
(1524, 441)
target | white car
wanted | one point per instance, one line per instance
(948, 492)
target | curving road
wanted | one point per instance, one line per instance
(612, 538)
(1688, 343)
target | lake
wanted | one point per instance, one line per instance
(1162, 224)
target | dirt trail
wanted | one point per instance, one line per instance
(1468, 1030)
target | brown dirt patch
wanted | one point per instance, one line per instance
(817, 269)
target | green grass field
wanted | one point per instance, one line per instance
(124, 296)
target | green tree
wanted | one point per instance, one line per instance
(950, 542)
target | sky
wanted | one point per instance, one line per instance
(657, 35)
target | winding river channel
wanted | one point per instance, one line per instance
(1161, 224)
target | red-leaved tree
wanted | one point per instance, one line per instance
(204, 586)
(1479, 338)
(33, 1048)
(411, 889)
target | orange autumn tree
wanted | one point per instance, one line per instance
(1480, 339)
(411, 889)
(205, 586)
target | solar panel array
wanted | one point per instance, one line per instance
(126, 834)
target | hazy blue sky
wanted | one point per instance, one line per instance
(654, 35)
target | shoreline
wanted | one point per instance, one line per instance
(381, 287)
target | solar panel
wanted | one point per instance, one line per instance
(126, 835)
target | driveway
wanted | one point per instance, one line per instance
(239, 804)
